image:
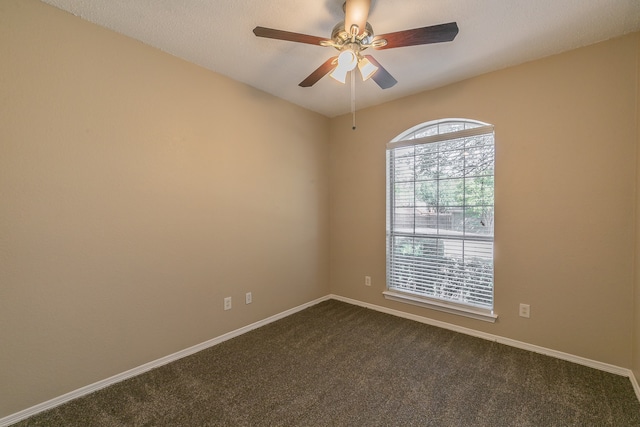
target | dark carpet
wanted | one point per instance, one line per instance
(336, 364)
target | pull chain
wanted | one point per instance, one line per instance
(353, 98)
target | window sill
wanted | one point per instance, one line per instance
(474, 313)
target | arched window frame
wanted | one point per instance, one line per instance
(440, 240)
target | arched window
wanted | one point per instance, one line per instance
(440, 217)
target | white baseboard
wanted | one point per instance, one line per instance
(26, 413)
(634, 383)
(49, 404)
(507, 341)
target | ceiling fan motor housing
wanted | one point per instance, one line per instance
(341, 37)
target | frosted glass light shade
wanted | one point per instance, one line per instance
(347, 61)
(340, 74)
(367, 69)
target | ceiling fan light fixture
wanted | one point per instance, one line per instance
(347, 61)
(340, 74)
(367, 69)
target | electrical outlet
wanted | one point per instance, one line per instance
(367, 280)
(247, 298)
(525, 310)
(227, 303)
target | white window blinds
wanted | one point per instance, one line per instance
(440, 213)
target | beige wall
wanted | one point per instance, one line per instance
(137, 191)
(566, 137)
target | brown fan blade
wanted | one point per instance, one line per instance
(382, 76)
(320, 72)
(356, 12)
(270, 33)
(425, 35)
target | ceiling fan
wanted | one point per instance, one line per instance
(354, 35)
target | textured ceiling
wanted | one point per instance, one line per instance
(217, 34)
